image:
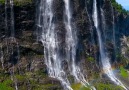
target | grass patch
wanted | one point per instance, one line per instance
(123, 72)
(101, 86)
(79, 86)
(5, 87)
(8, 82)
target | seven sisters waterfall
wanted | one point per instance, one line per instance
(64, 45)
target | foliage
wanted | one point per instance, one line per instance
(123, 72)
(21, 77)
(79, 86)
(101, 86)
(91, 59)
(118, 7)
(8, 82)
(18, 2)
(6, 85)
(41, 73)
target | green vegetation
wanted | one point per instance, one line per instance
(79, 86)
(20, 77)
(101, 86)
(91, 59)
(6, 85)
(118, 7)
(123, 72)
(18, 2)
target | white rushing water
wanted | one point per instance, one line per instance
(49, 38)
(71, 43)
(104, 58)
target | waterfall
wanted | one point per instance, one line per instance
(104, 23)
(71, 43)
(18, 52)
(6, 25)
(49, 38)
(9, 19)
(12, 18)
(104, 58)
(9, 23)
(2, 57)
(10, 35)
(114, 38)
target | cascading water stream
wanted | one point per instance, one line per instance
(9, 23)
(91, 31)
(114, 38)
(10, 34)
(104, 58)
(49, 38)
(2, 57)
(6, 24)
(12, 18)
(104, 23)
(71, 42)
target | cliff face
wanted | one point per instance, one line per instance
(27, 58)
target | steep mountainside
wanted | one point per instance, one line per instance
(22, 58)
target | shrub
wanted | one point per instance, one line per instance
(91, 59)
(118, 7)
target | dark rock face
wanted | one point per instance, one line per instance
(31, 61)
(24, 19)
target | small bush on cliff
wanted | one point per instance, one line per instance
(91, 59)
